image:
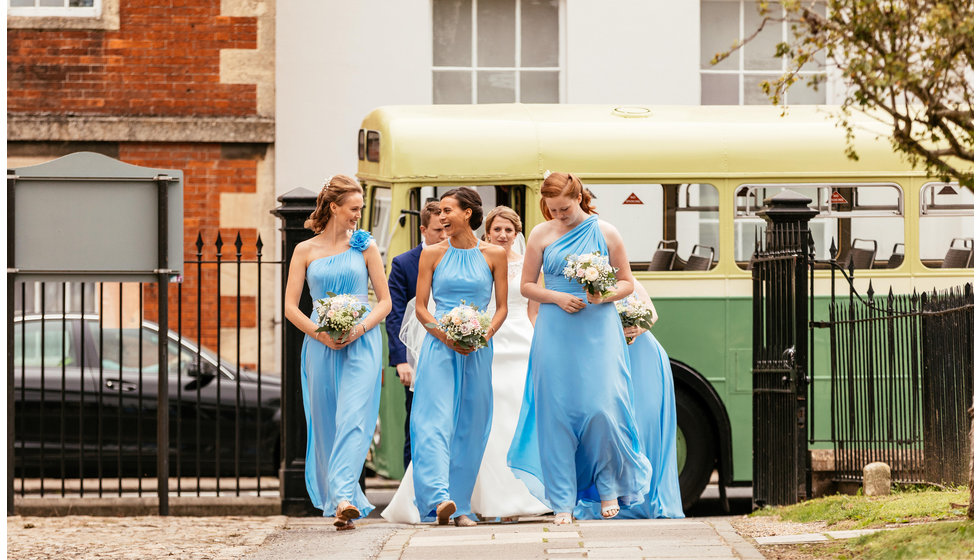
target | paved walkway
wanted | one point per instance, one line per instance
(534, 538)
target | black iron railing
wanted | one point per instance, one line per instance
(901, 375)
(85, 374)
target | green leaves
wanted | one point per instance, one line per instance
(907, 64)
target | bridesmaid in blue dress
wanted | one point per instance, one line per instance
(577, 438)
(656, 419)
(452, 406)
(341, 379)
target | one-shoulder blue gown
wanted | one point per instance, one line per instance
(656, 419)
(452, 406)
(577, 438)
(341, 392)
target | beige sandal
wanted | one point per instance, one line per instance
(463, 521)
(563, 518)
(346, 512)
(444, 511)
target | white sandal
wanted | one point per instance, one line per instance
(563, 519)
(610, 511)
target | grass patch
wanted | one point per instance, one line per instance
(865, 511)
(949, 541)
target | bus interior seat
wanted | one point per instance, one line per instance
(862, 257)
(663, 257)
(698, 262)
(959, 257)
(898, 257)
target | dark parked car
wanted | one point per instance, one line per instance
(87, 403)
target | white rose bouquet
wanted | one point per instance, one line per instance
(593, 271)
(635, 313)
(465, 325)
(337, 314)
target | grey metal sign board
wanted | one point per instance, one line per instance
(88, 217)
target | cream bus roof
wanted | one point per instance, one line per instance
(518, 141)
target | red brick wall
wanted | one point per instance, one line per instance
(163, 60)
(206, 175)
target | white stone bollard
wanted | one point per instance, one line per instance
(877, 479)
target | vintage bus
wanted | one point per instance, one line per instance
(682, 184)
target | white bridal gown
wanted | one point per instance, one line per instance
(498, 493)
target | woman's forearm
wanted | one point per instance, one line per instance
(536, 292)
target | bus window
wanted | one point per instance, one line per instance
(946, 226)
(681, 218)
(868, 218)
(492, 196)
(379, 217)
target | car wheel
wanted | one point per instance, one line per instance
(696, 447)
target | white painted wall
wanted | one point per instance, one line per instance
(337, 60)
(633, 52)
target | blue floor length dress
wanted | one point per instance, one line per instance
(452, 406)
(656, 420)
(576, 438)
(341, 392)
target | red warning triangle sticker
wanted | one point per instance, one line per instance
(837, 198)
(633, 199)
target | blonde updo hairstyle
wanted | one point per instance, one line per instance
(564, 184)
(336, 190)
(504, 213)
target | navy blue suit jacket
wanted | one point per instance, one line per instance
(401, 282)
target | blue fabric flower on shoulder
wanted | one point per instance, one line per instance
(360, 240)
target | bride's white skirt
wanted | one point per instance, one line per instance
(498, 493)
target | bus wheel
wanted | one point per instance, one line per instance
(696, 447)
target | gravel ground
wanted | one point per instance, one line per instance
(768, 525)
(137, 538)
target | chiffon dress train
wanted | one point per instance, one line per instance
(341, 392)
(452, 405)
(576, 438)
(656, 419)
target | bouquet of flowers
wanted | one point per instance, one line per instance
(465, 325)
(593, 271)
(337, 314)
(634, 313)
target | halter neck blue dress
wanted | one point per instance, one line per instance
(452, 406)
(341, 391)
(576, 438)
(656, 420)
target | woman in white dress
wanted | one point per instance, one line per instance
(498, 493)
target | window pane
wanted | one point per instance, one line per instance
(21, 3)
(753, 94)
(52, 3)
(803, 94)
(640, 221)
(495, 27)
(452, 87)
(452, 33)
(946, 225)
(81, 3)
(719, 89)
(539, 87)
(759, 51)
(495, 87)
(51, 356)
(819, 59)
(719, 29)
(539, 33)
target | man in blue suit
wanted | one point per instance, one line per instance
(401, 283)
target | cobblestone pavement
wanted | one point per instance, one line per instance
(85, 537)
